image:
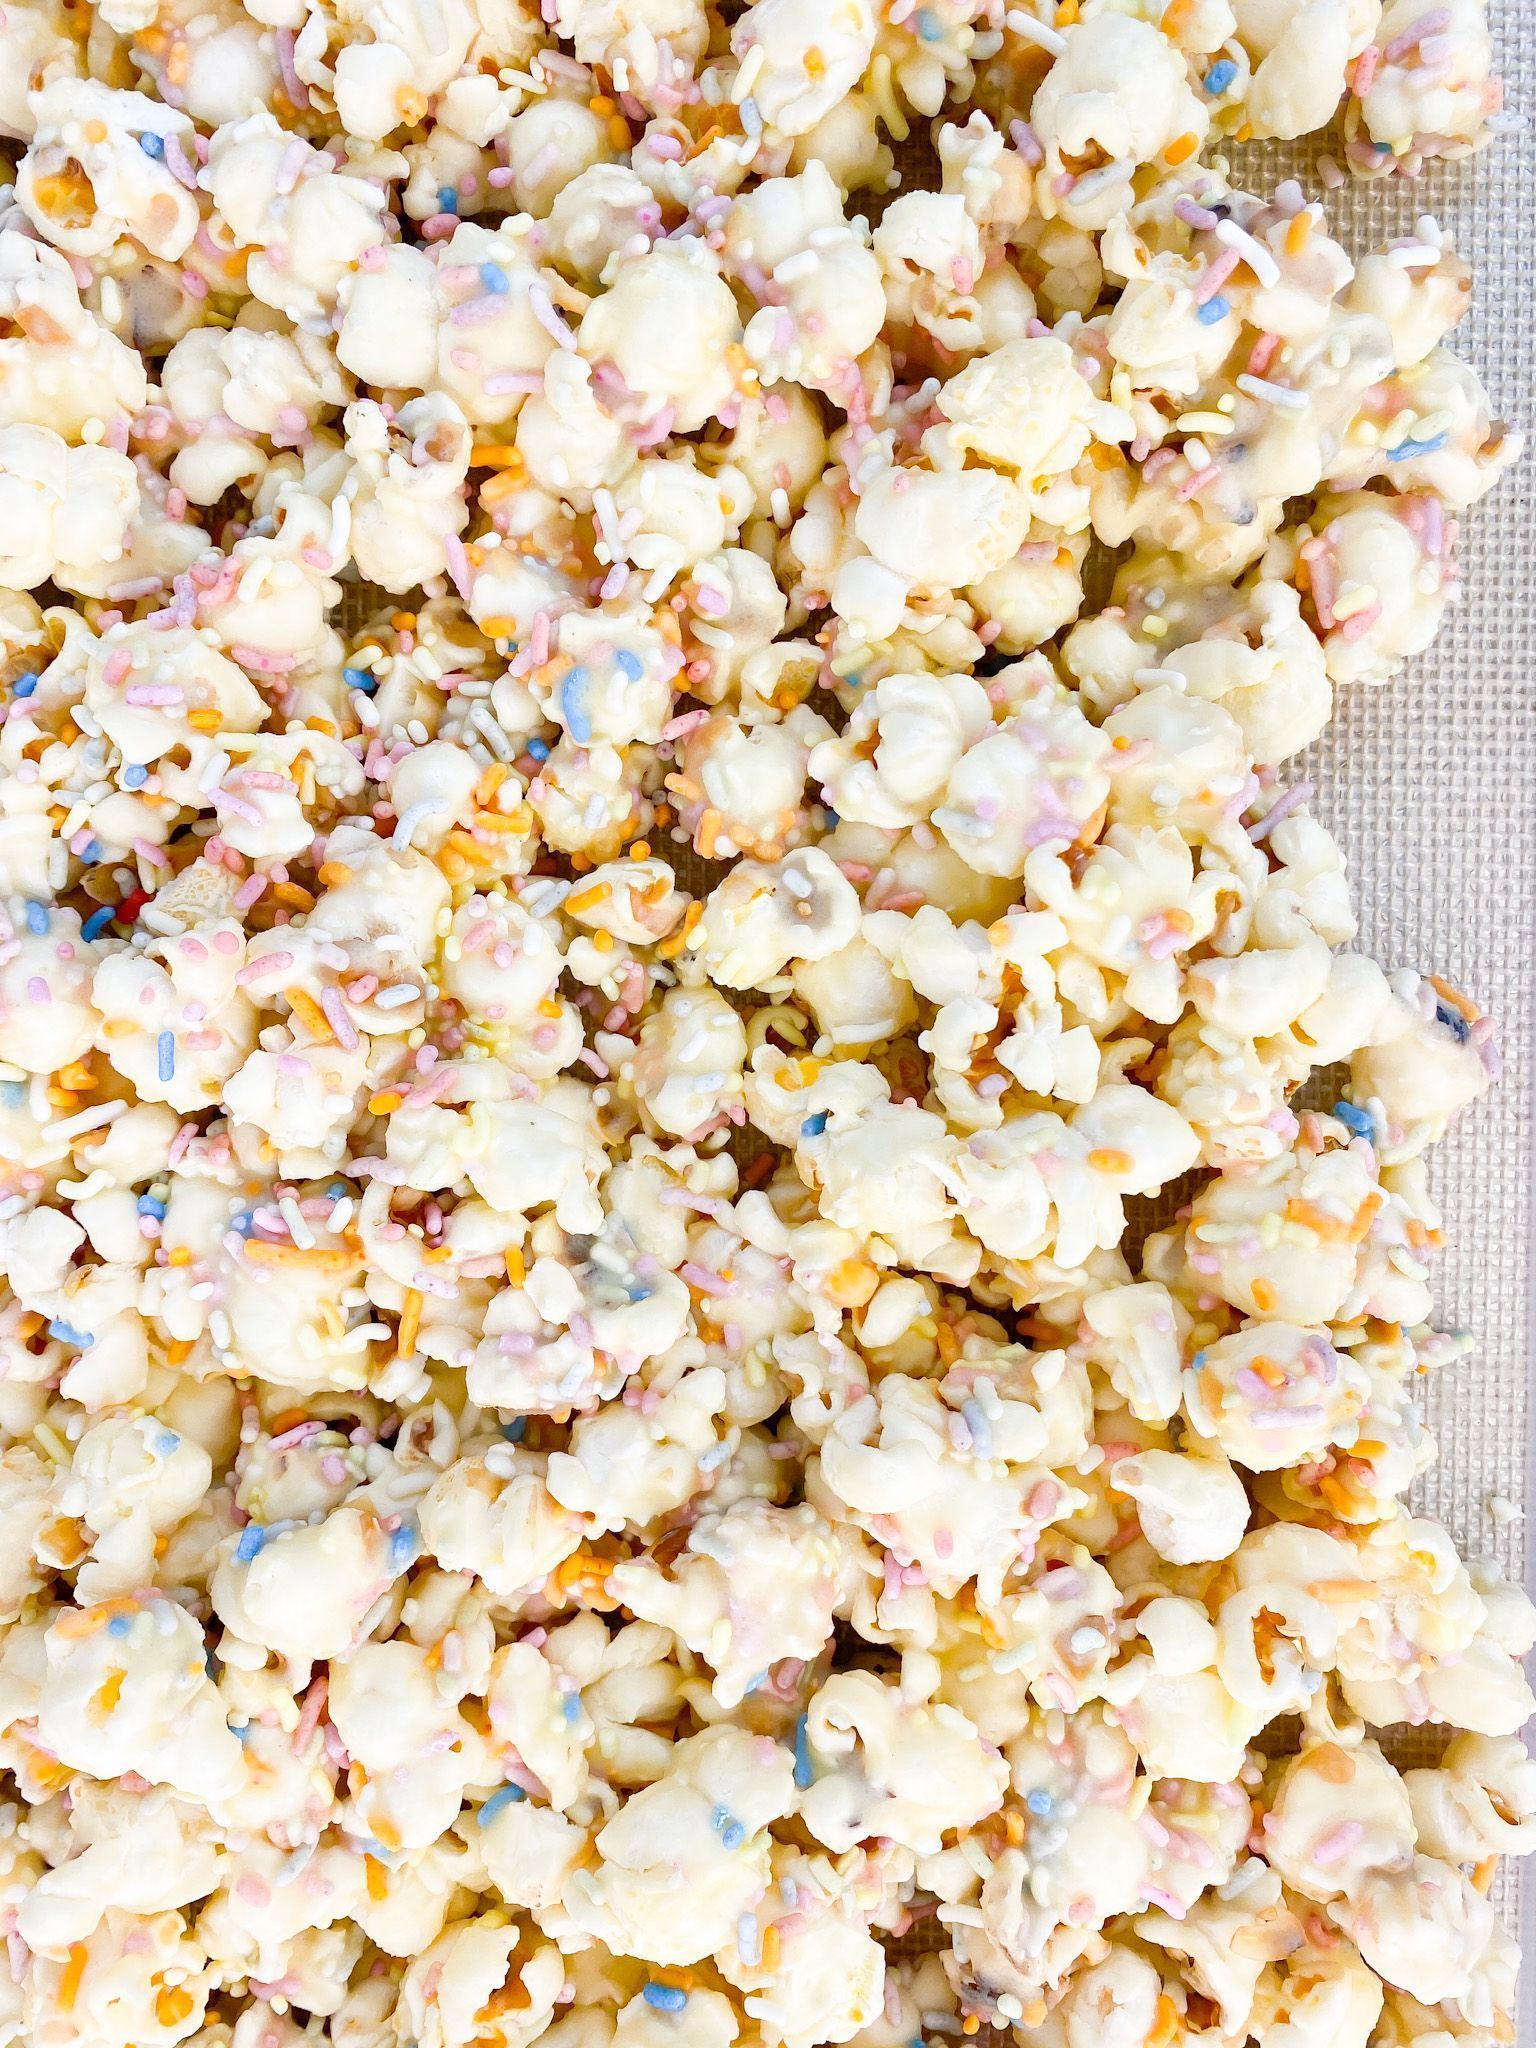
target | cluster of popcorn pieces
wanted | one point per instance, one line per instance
(591, 1449)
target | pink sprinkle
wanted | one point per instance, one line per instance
(115, 667)
(1337, 1843)
(1431, 24)
(339, 1021)
(1364, 71)
(1215, 275)
(38, 990)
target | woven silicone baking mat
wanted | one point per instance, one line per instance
(1430, 786)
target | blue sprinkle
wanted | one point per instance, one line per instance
(1039, 1803)
(98, 921)
(929, 26)
(165, 1055)
(90, 852)
(152, 145)
(494, 278)
(1197, 1363)
(151, 1205)
(976, 1423)
(13, 1094)
(403, 1546)
(25, 684)
(166, 1442)
(572, 691)
(815, 1123)
(362, 679)
(570, 1706)
(1212, 311)
(447, 199)
(37, 918)
(243, 1223)
(513, 1431)
(509, 1795)
(733, 1836)
(539, 749)
(665, 1997)
(135, 777)
(719, 1817)
(1356, 1119)
(120, 1624)
(1219, 77)
(252, 1537)
(68, 1334)
(805, 1770)
(1406, 450)
(628, 665)
(1453, 1021)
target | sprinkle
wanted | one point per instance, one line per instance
(665, 1997)
(25, 684)
(360, 679)
(135, 777)
(165, 1055)
(152, 145)
(815, 1124)
(1212, 311)
(573, 704)
(37, 918)
(1253, 253)
(494, 278)
(1406, 450)
(1358, 1120)
(1039, 1802)
(805, 1770)
(252, 1537)
(509, 1795)
(68, 1334)
(1219, 77)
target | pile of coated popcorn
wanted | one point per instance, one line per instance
(580, 1458)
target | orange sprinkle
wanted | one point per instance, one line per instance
(295, 895)
(517, 1272)
(1264, 1296)
(74, 1970)
(309, 1014)
(640, 850)
(374, 1872)
(1106, 1159)
(410, 1324)
(334, 873)
(1458, 1002)
(205, 721)
(1182, 148)
(318, 1258)
(386, 1100)
(588, 898)
(1298, 234)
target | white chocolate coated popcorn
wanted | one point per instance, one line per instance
(604, 934)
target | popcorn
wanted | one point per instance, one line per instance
(587, 1430)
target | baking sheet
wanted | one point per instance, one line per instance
(1429, 784)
